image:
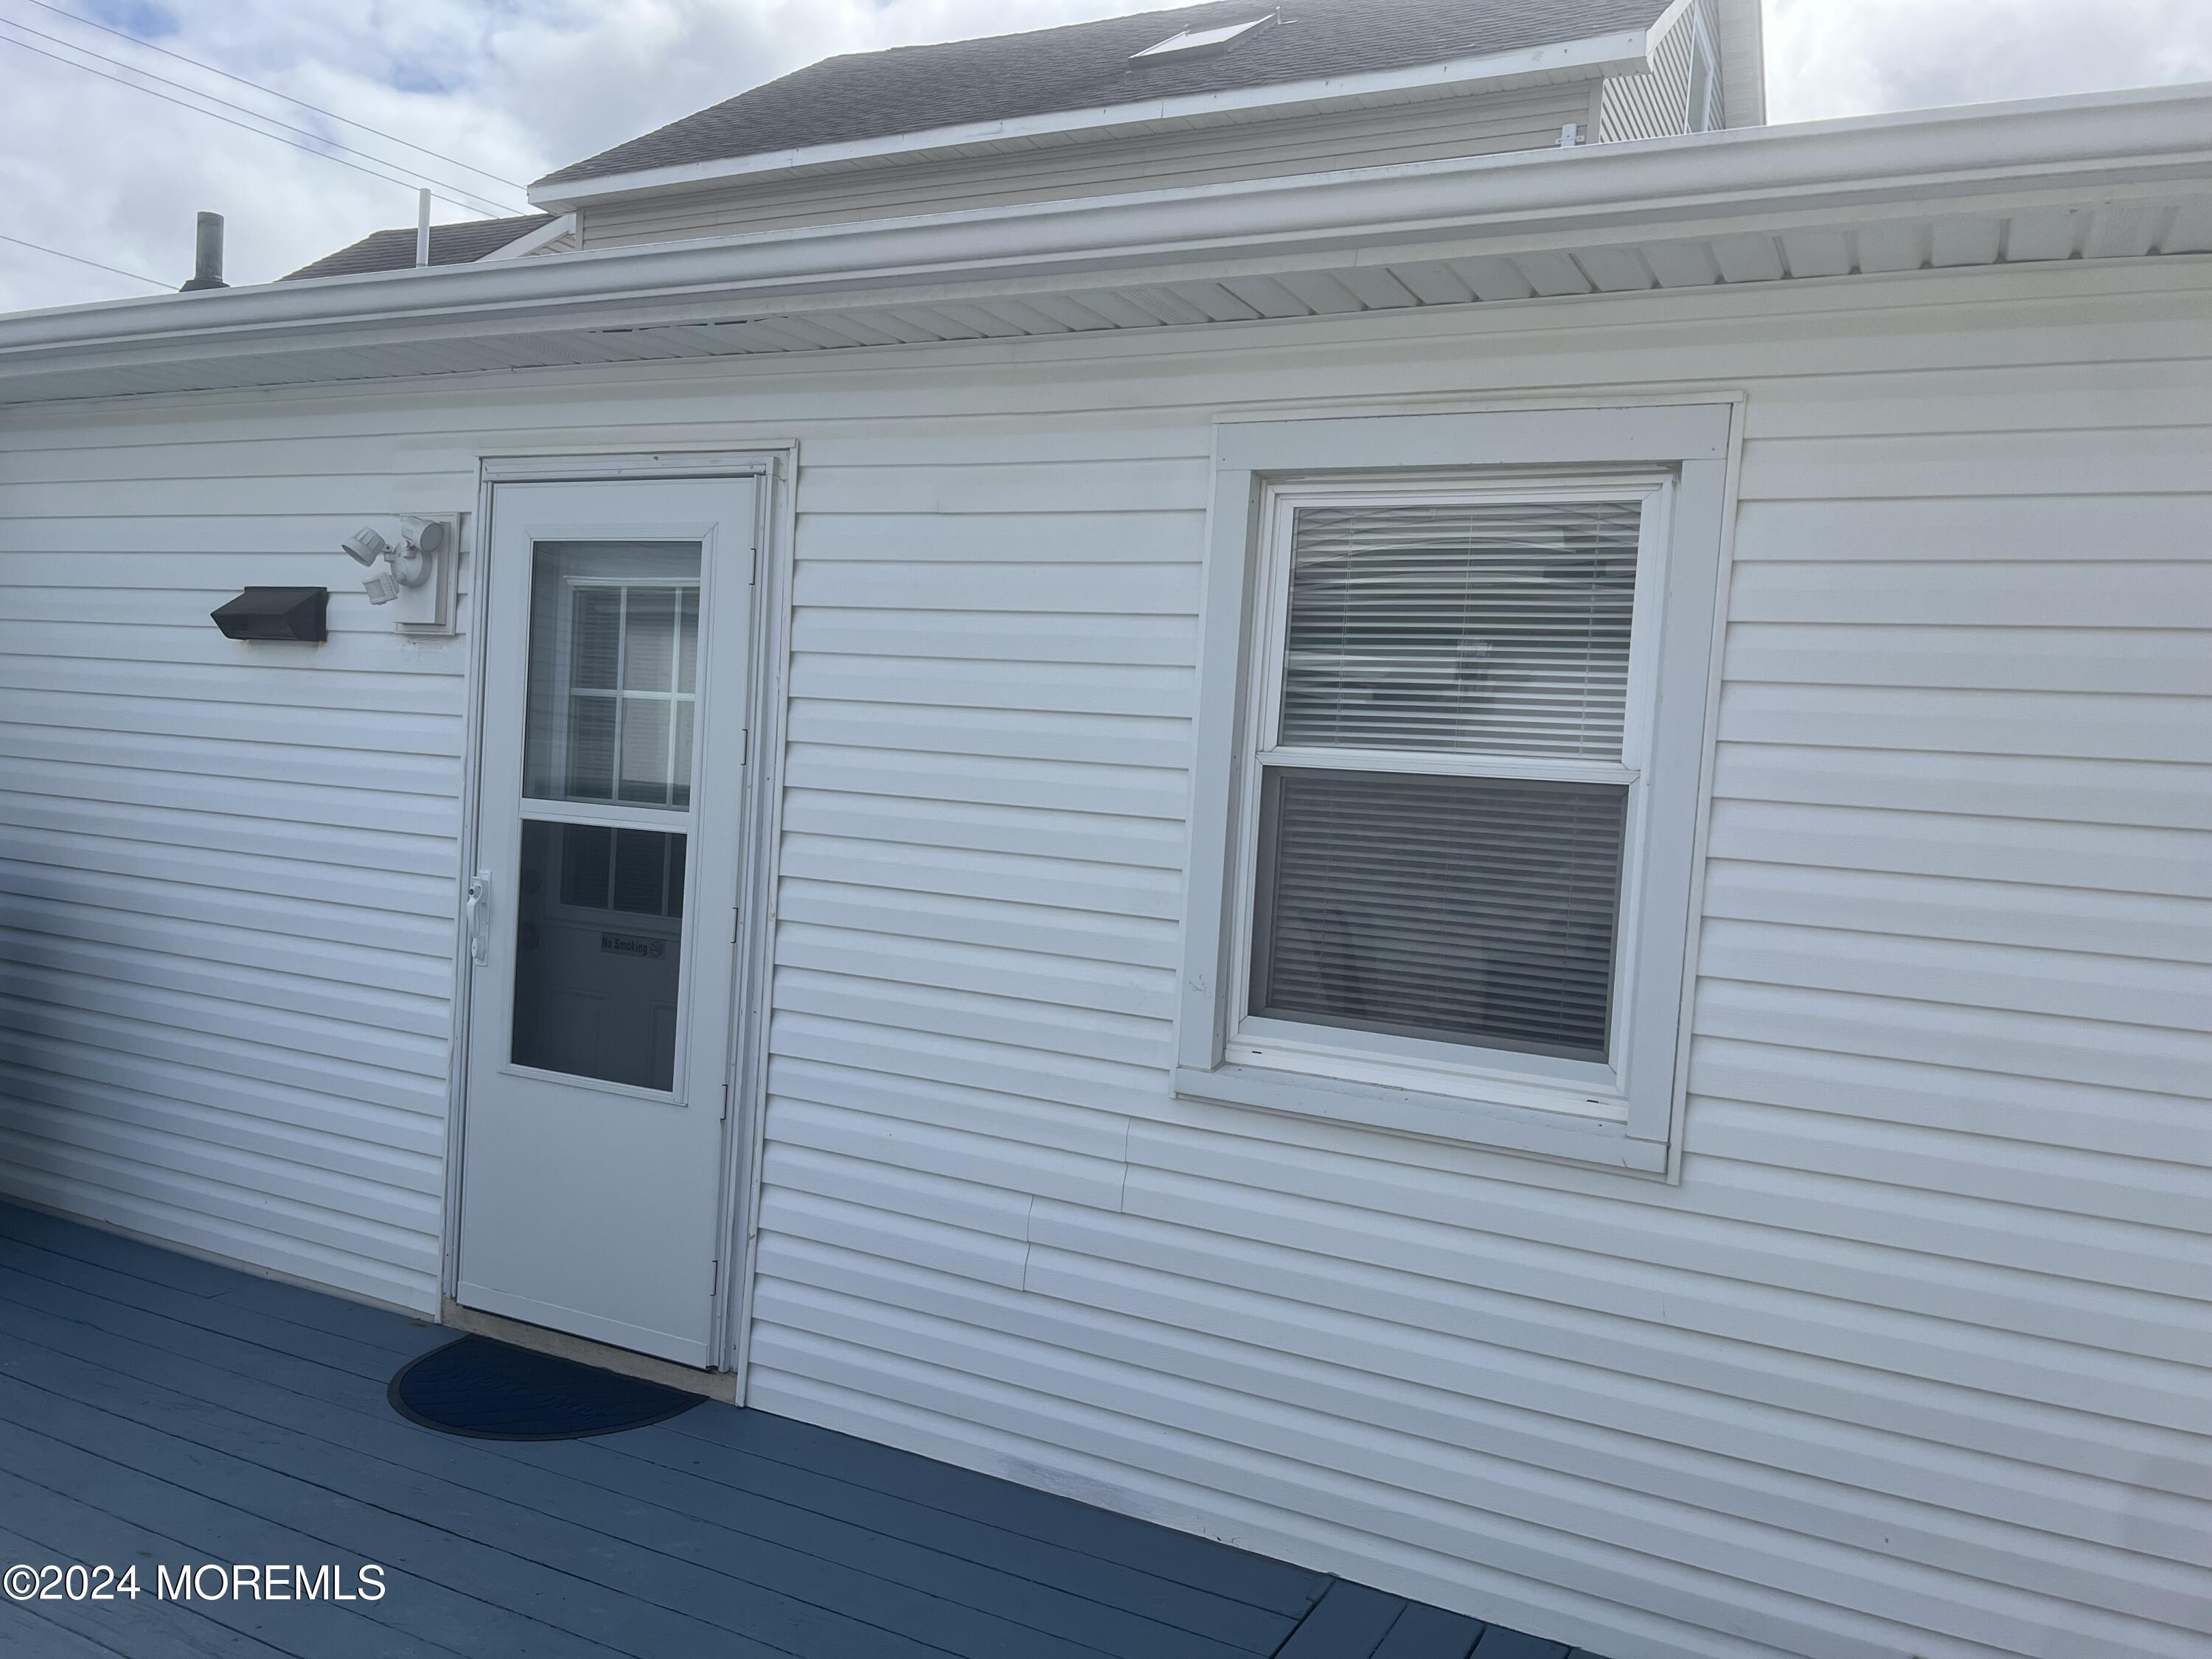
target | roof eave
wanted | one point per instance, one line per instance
(1626, 51)
(1964, 162)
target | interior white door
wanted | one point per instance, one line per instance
(603, 908)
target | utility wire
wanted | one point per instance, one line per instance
(242, 109)
(389, 179)
(149, 45)
(79, 258)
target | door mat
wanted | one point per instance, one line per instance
(489, 1390)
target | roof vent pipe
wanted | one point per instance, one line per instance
(207, 255)
(422, 229)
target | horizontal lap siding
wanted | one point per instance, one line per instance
(1482, 124)
(1914, 1359)
(226, 871)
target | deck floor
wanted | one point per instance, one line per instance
(159, 1411)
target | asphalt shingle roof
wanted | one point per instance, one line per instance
(1086, 66)
(450, 245)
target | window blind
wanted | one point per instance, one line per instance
(1470, 910)
(1495, 627)
(614, 647)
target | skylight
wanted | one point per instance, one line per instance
(1198, 42)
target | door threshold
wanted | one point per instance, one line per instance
(714, 1385)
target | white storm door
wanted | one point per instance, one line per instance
(603, 908)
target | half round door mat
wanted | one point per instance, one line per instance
(490, 1390)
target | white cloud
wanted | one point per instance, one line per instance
(520, 87)
(1828, 57)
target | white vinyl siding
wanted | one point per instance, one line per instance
(1433, 129)
(1916, 1357)
(226, 869)
(1739, 31)
(1656, 105)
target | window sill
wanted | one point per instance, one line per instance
(1526, 1130)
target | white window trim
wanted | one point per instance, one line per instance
(1624, 1118)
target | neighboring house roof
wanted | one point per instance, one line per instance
(450, 245)
(1088, 66)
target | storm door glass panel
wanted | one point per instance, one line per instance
(614, 651)
(614, 670)
(598, 949)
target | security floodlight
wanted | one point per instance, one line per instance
(416, 573)
(364, 546)
(425, 535)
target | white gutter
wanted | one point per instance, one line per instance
(1626, 52)
(2070, 151)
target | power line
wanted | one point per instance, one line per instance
(256, 114)
(149, 45)
(389, 179)
(80, 259)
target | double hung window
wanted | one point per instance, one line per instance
(1460, 726)
(1443, 778)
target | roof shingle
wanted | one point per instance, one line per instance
(1087, 66)
(394, 250)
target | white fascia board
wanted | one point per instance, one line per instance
(2062, 150)
(529, 241)
(1625, 53)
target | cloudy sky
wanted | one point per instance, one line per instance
(99, 157)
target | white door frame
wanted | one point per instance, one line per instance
(776, 466)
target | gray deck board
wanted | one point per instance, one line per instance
(1200, 1562)
(1515, 1644)
(637, 1498)
(1349, 1622)
(155, 1482)
(63, 1629)
(1426, 1632)
(66, 1503)
(466, 1488)
(158, 1408)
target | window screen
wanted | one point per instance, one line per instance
(1444, 807)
